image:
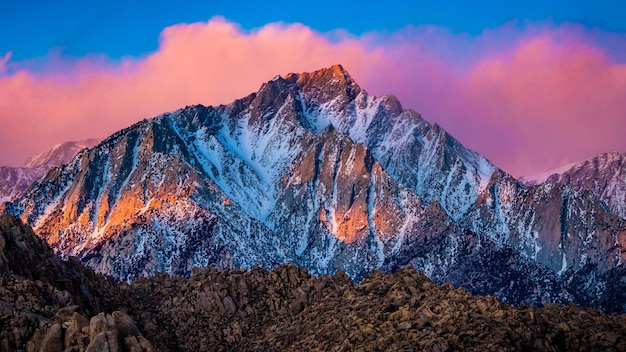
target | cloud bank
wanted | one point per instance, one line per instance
(529, 97)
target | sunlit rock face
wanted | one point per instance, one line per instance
(313, 170)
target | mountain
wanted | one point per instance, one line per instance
(604, 176)
(312, 170)
(14, 181)
(45, 305)
(570, 232)
(59, 154)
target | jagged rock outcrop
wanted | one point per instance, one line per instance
(313, 170)
(287, 309)
(27, 261)
(45, 301)
(116, 332)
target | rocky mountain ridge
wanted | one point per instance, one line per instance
(603, 175)
(314, 171)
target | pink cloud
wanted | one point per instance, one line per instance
(208, 63)
(545, 96)
(548, 97)
(545, 103)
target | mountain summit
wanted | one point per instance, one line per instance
(312, 170)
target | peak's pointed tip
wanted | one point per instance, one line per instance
(337, 71)
(334, 71)
(335, 74)
(393, 103)
(332, 80)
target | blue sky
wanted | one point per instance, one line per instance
(30, 29)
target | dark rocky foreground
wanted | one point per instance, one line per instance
(47, 304)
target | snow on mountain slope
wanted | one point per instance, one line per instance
(313, 170)
(421, 156)
(285, 112)
(604, 175)
(15, 180)
(128, 207)
(560, 227)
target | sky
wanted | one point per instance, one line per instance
(531, 85)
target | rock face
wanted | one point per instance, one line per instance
(27, 259)
(14, 181)
(114, 332)
(569, 232)
(313, 170)
(261, 310)
(604, 176)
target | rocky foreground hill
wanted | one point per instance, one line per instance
(47, 304)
